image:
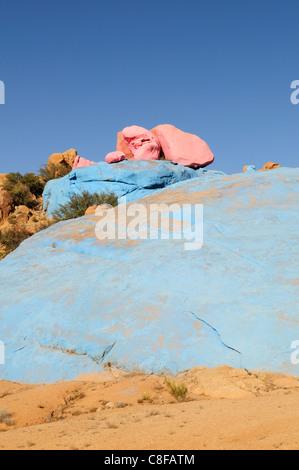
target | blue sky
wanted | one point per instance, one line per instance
(77, 72)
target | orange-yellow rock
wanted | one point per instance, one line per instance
(270, 166)
(91, 210)
(66, 159)
(6, 204)
(122, 146)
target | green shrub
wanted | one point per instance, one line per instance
(23, 189)
(11, 239)
(79, 203)
(50, 172)
(34, 183)
(178, 391)
(6, 418)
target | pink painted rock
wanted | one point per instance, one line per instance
(181, 147)
(142, 143)
(115, 157)
(81, 162)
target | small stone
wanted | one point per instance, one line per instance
(115, 157)
(110, 405)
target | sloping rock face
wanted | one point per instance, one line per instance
(134, 179)
(71, 303)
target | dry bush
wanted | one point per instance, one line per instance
(6, 418)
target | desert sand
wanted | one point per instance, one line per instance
(224, 409)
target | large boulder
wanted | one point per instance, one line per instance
(22, 214)
(72, 303)
(181, 147)
(6, 204)
(142, 143)
(134, 179)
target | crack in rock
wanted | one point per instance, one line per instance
(71, 352)
(215, 331)
(99, 359)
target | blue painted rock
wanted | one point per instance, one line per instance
(133, 179)
(71, 303)
(249, 168)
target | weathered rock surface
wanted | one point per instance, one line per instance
(6, 204)
(226, 382)
(122, 146)
(142, 143)
(66, 159)
(134, 179)
(181, 147)
(71, 303)
(2, 178)
(22, 214)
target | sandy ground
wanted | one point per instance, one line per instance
(224, 408)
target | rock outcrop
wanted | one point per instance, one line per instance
(73, 303)
(66, 159)
(164, 142)
(134, 179)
